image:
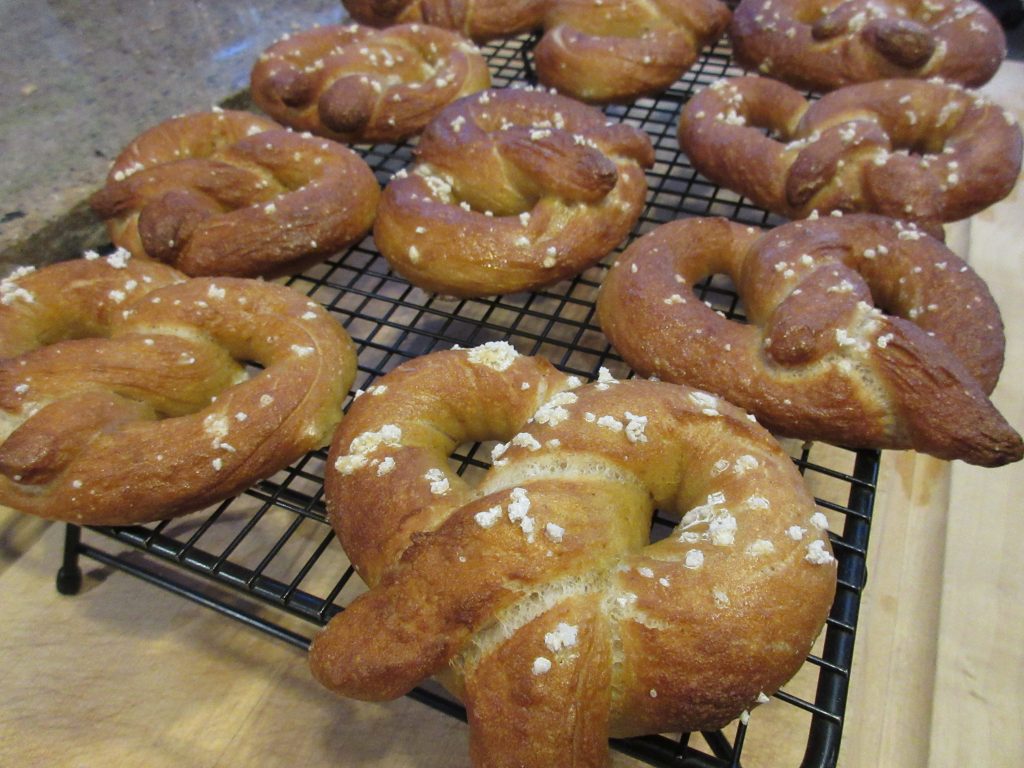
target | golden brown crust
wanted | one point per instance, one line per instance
(124, 396)
(828, 45)
(536, 592)
(231, 193)
(480, 20)
(818, 361)
(512, 190)
(359, 84)
(598, 52)
(602, 52)
(909, 149)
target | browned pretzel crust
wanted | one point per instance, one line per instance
(359, 84)
(480, 20)
(536, 592)
(818, 360)
(231, 193)
(598, 51)
(909, 149)
(124, 396)
(512, 190)
(603, 51)
(821, 46)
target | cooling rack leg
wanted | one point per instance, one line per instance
(69, 577)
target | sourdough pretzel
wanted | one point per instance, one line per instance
(909, 149)
(536, 593)
(828, 45)
(230, 193)
(123, 397)
(818, 360)
(480, 20)
(605, 52)
(512, 190)
(359, 84)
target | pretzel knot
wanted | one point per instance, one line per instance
(358, 84)
(828, 45)
(594, 51)
(616, 51)
(819, 360)
(124, 393)
(536, 592)
(511, 190)
(231, 193)
(909, 149)
(480, 20)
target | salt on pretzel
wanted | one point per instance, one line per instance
(604, 52)
(823, 46)
(124, 395)
(592, 50)
(909, 149)
(536, 594)
(231, 193)
(819, 360)
(512, 189)
(480, 20)
(358, 84)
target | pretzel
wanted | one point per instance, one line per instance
(819, 360)
(605, 52)
(536, 594)
(358, 84)
(823, 46)
(230, 193)
(909, 149)
(512, 190)
(594, 51)
(124, 395)
(480, 20)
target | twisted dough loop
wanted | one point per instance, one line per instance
(480, 20)
(828, 45)
(909, 149)
(358, 84)
(818, 361)
(231, 193)
(536, 593)
(594, 51)
(616, 51)
(123, 398)
(512, 189)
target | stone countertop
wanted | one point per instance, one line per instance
(82, 80)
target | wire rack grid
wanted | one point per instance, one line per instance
(268, 557)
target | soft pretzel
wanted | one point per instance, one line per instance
(512, 190)
(819, 360)
(536, 593)
(230, 193)
(909, 149)
(598, 51)
(602, 51)
(480, 20)
(124, 395)
(822, 46)
(359, 84)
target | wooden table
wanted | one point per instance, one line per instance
(126, 674)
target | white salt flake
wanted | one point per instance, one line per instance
(563, 636)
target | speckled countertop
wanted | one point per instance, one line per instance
(82, 79)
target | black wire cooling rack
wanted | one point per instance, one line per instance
(268, 556)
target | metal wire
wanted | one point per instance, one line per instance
(272, 546)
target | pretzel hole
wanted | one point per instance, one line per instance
(718, 292)
(472, 461)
